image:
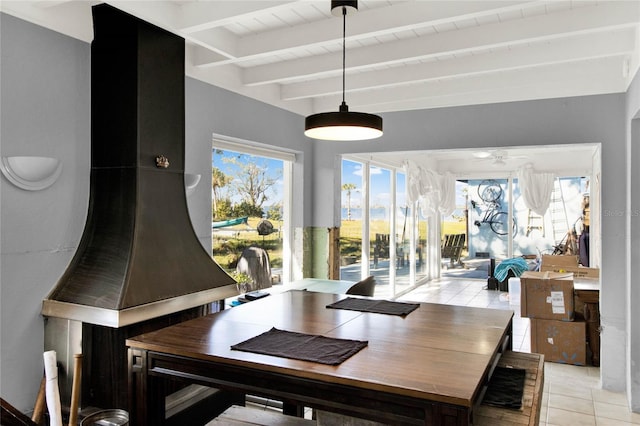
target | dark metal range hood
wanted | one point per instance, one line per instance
(138, 257)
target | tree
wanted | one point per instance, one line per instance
(252, 182)
(275, 212)
(247, 209)
(348, 187)
(223, 209)
(218, 180)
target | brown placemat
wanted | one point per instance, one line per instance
(306, 347)
(376, 306)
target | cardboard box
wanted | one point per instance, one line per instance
(567, 263)
(560, 260)
(560, 341)
(547, 295)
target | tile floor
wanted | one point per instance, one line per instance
(572, 394)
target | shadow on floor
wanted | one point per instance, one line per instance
(469, 268)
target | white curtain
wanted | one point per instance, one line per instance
(447, 194)
(413, 181)
(434, 191)
(536, 189)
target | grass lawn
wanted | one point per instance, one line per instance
(228, 243)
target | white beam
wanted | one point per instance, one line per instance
(201, 16)
(218, 40)
(588, 77)
(162, 13)
(70, 18)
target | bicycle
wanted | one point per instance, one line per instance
(490, 192)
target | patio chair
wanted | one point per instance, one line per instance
(452, 248)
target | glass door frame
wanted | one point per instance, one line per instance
(365, 269)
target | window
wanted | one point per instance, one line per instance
(250, 204)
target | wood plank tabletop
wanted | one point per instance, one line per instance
(437, 352)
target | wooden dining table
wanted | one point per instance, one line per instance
(429, 367)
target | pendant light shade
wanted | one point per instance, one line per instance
(343, 125)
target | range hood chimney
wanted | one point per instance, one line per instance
(138, 257)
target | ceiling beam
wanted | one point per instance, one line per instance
(598, 76)
(164, 14)
(71, 17)
(202, 16)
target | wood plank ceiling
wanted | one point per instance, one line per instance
(401, 55)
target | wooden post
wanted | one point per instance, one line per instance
(334, 253)
(75, 390)
(38, 408)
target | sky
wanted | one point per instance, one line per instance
(380, 185)
(274, 169)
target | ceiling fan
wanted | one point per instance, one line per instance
(496, 158)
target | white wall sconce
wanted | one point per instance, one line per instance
(190, 182)
(31, 173)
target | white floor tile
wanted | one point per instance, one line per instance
(569, 403)
(616, 412)
(559, 417)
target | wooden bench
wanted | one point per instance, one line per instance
(237, 415)
(529, 414)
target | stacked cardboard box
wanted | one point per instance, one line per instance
(567, 263)
(547, 299)
(547, 295)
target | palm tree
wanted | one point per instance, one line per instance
(218, 180)
(348, 187)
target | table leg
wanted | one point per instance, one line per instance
(137, 386)
(146, 396)
(292, 409)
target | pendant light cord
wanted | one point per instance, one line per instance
(344, 49)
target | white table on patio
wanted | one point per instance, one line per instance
(320, 285)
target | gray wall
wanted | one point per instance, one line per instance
(45, 111)
(633, 243)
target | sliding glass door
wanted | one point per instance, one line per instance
(379, 235)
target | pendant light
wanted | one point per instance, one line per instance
(343, 125)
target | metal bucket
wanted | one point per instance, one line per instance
(107, 418)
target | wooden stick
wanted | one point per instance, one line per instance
(75, 390)
(38, 408)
